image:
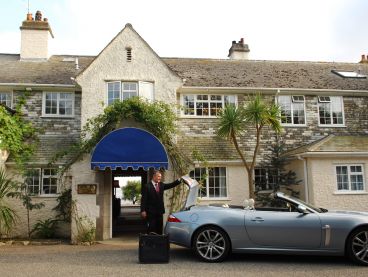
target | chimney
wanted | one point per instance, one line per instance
(34, 38)
(239, 50)
(364, 59)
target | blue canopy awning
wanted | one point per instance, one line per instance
(129, 147)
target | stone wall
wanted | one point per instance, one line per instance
(356, 122)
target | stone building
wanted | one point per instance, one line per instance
(324, 107)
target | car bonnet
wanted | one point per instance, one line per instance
(193, 187)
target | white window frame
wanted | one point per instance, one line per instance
(207, 184)
(342, 108)
(142, 90)
(44, 114)
(11, 98)
(41, 176)
(342, 191)
(292, 100)
(208, 101)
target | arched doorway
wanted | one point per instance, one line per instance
(127, 152)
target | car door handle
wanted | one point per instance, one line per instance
(257, 219)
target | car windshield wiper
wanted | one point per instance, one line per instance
(323, 210)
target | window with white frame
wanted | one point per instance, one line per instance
(120, 91)
(6, 99)
(42, 181)
(206, 105)
(58, 103)
(213, 180)
(330, 110)
(292, 109)
(350, 178)
(264, 179)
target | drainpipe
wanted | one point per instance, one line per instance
(306, 188)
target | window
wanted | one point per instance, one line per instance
(58, 104)
(213, 180)
(33, 181)
(42, 181)
(330, 110)
(264, 179)
(120, 91)
(129, 90)
(113, 91)
(350, 178)
(349, 74)
(292, 109)
(206, 105)
(6, 99)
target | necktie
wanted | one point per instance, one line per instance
(157, 187)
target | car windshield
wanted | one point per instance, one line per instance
(293, 199)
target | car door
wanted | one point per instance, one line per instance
(280, 229)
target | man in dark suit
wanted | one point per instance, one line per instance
(152, 202)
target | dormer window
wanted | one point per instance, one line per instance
(128, 54)
(349, 74)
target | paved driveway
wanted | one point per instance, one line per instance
(122, 260)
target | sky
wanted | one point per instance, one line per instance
(296, 30)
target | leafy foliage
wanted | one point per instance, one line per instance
(132, 191)
(27, 202)
(8, 216)
(45, 228)
(284, 179)
(157, 117)
(64, 205)
(86, 230)
(17, 135)
(256, 114)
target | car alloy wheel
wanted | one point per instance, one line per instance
(211, 244)
(358, 246)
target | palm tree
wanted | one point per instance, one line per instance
(257, 114)
(8, 216)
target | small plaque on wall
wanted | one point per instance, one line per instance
(86, 189)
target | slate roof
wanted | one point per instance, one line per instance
(334, 144)
(268, 74)
(52, 71)
(48, 146)
(212, 148)
(200, 72)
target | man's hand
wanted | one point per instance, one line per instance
(143, 215)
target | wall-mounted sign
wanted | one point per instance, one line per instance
(86, 189)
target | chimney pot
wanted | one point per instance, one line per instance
(29, 17)
(38, 16)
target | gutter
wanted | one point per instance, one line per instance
(286, 91)
(30, 86)
(332, 154)
(306, 186)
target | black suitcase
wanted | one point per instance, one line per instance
(154, 248)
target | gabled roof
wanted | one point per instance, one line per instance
(334, 144)
(199, 72)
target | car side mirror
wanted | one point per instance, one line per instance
(302, 209)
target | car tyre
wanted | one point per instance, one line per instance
(211, 244)
(357, 246)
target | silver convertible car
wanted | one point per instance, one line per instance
(294, 227)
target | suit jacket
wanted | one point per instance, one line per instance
(153, 202)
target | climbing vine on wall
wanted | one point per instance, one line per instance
(17, 135)
(157, 117)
